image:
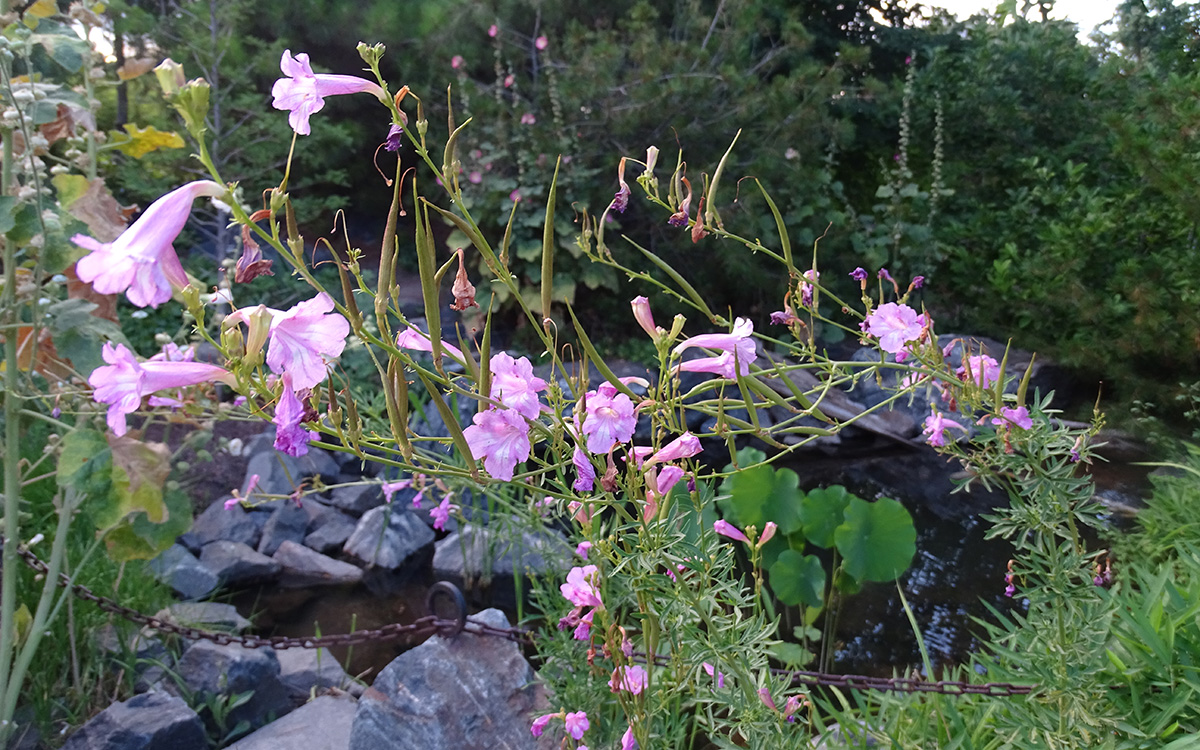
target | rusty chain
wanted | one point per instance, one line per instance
(431, 624)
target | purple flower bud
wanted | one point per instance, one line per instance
(918, 282)
(883, 274)
(859, 274)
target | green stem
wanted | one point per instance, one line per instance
(12, 439)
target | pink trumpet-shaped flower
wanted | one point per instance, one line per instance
(514, 385)
(290, 437)
(539, 724)
(628, 741)
(726, 529)
(711, 670)
(576, 724)
(684, 446)
(895, 325)
(936, 426)
(980, 369)
(738, 351)
(609, 418)
(303, 92)
(411, 338)
(302, 339)
(580, 588)
(142, 262)
(501, 438)
(585, 478)
(1018, 417)
(124, 381)
(645, 318)
(631, 679)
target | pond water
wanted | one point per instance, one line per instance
(955, 572)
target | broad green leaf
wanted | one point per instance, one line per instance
(821, 512)
(792, 654)
(762, 494)
(877, 540)
(7, 204)
(61, 43)
(798, 579)
(86, 463)
(79, 336)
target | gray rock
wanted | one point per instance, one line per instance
(469, 692)
(386, 536)
(356, 499)
(236, 563)
(179, 569)
(302, 669)
(484, 552)
(323, 724)
(430, 422)
(304, 567)
(216, 523)
(288, 522)
(139, 651)
(151, 721)
(279, 473)
(334, 529)
(206, 615)
(209, 670)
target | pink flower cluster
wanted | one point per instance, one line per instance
(581, 590)
(500, 435)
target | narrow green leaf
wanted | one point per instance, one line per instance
(548, 244)
(451, 420)
(682, 283)
(785, 242)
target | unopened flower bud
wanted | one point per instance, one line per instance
(170, 77)
(677, 326)
(645, 318)
(192, 103)
(767, 532)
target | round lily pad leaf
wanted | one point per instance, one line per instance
(821, 512)
(798, 579)
(877, 540)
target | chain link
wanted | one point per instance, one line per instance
(431, 624)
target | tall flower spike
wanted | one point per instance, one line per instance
(142, 262)
(303, 92)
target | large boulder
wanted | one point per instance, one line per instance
(471, 692)
(323, 724)
(387, 536)
(150, 721)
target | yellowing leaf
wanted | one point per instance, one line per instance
(39, 10)
(140, 473)
(42, 9)
(144, 140)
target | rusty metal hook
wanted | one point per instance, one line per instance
(448, 589)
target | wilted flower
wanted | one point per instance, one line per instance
(462, 289)
(394, 137)
(585, 473)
